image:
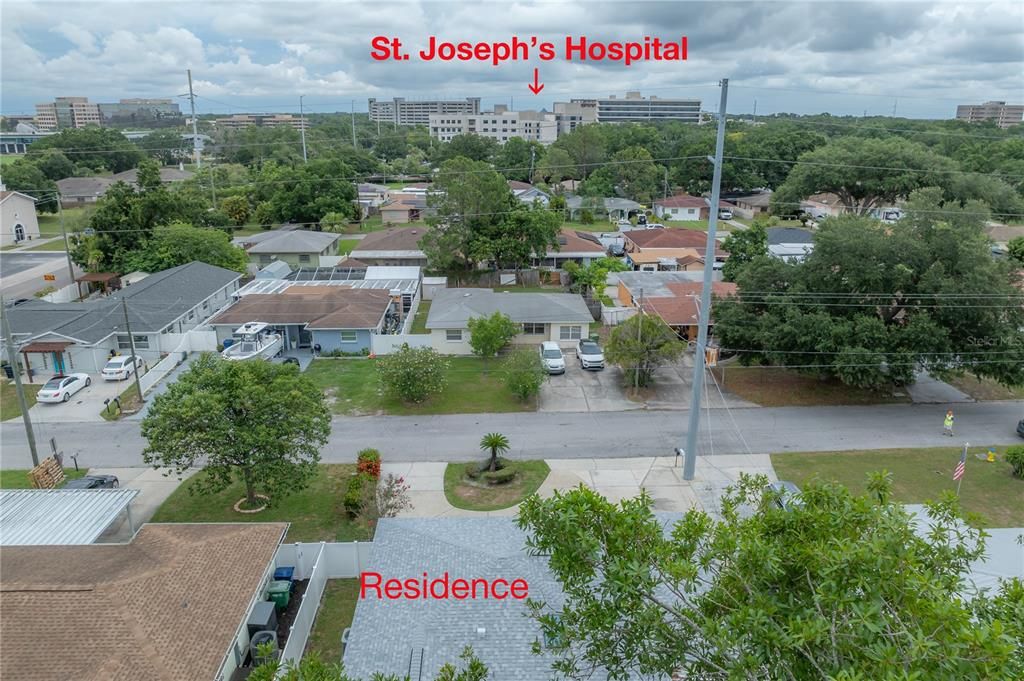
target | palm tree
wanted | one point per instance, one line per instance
(497, 444)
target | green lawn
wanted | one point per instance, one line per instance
(17, 478)
(352, 388)
(130, 404)
(337, 608)
(315, 514)
(599, 225)
(55, 245)
(9, 407)
(419, 322)
(699, 225)
(479, 497)
(772, 387)
(345, 246)
(49, 225)
(988, 489)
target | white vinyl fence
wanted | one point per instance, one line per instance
(613, 316)
(196, 340)
(317, 563)
(65, 294)
(382, 344)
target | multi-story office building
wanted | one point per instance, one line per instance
(400, 111)
(633, 107)
(67, 112)
(146, 112)
(263, 120)
(1004, 115)
(500, 125)
(571, 115)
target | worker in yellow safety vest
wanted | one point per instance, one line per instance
(947, 425)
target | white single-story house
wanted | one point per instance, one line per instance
(582, 248)
(527, 193)
(81, 336)
(790, 243)
(560, 317)
(393, 247)
(18, 218)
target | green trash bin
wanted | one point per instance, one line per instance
(279, 592)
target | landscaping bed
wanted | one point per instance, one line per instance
(478, 495)
(772, 387)
(316, 513)
(988, 490)
(352, 388)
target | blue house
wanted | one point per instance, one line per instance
(333, 317)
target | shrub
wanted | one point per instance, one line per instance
(355, 493)
(499, 477)
(1015, 457)
(586, 217)
(413, 374)
(368, 461)
(473, 470)
(392, 496)
(523, 373)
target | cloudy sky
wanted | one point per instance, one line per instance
(845, 58)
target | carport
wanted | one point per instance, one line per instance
(48, 517)
(107, 281)
(53, 348)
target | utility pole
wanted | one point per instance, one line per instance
(131, 343)
(196, 156)
(690, 453)
(67, 244)
(302, 129)
(666, 183)
(354, 125)
(533, 154)
(12, 357)
(639, 331)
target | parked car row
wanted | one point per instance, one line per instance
(588, 354)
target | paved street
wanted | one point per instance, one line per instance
(21, 273)
(581, 435)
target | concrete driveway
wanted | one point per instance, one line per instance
(579, 390)
(85, 405)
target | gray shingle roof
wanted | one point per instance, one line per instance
(153, 303)
(74, 187)
(298, 241)
(789, 235)
(453, 308)
(385, 632)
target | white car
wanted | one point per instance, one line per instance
(120, 368)
(551, 356)
(725, 214)
(589, 354)
(60, 388)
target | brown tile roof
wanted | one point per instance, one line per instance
(516, 184)
(319, 307)
(352, 263)
(167, 606)
(394, 239)
(680, 309)
(576, 242)
(668, 238)
(682, 201)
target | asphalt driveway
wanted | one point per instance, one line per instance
(85, 405)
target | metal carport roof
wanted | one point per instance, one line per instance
(46, 517)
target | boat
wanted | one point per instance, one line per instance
(253, 340)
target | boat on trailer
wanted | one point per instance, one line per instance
(254, 340)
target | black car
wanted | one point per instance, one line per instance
(1020, 428)
(94, 482)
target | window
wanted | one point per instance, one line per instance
(304, 257)
(191, 315)
(349, 337)
(453, 335)
(141, 342)
(570, 333)
(264, 259)
(532, 328)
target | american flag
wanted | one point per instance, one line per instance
(958, 472)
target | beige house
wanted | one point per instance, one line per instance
(19, 218)
(297, 248)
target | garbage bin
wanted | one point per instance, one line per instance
(279, 592)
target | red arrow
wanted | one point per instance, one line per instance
(537, 86)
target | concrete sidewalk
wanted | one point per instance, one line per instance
(616, 479)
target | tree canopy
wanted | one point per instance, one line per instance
(181, 243)
(488, 335)
(640, 345)
(873, 302)
(258, 422)
(833, 586)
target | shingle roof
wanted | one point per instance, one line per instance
(680, 308)
(385, 633)
(167, 174)
(668, 238)
(6, 194)
(570, 241)
(166, 606)
(153, 303)
(655, 284)
(789, 235)
(761, 199)
(453, 308)
(682, 201)
(75, 187)
(297, 241)
(318, 307)
(394, 239)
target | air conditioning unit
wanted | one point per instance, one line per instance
(258, 647)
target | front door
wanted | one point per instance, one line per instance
(305, 338)
(58, 362)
